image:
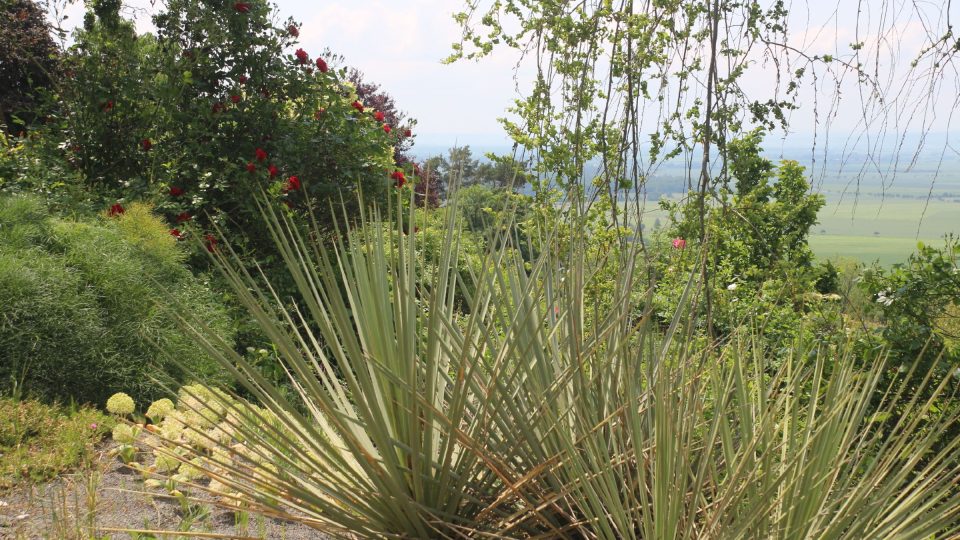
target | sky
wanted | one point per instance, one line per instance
(400, 44)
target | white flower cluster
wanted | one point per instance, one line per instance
(884, 298)
(120, 404)
(199, 438)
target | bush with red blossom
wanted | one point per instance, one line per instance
(235, 102)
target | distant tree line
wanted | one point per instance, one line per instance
(460, 167)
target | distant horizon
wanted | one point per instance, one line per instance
(432, 144)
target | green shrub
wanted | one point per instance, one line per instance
(79, 313)
(754, 233)
(917, 303)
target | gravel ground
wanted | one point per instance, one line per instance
(60, 509)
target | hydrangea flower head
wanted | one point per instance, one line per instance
(123, 434)
(159, 409)
(121, 404)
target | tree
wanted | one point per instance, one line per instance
(762, 225)
(461, 167)
(29, 62)
(633, 84)
(502, 172)
(754, 238)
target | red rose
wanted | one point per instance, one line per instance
(184, 217)
(293, 184)
(108, 106)
(261, 155)
(211, 242)
(242, 7)
(378, 116)
(115, 210)
(176, 191)
(273, 170)
(293, 30)
(302, 56)
(251, 167)
(321, 65)
(235, 98)
(357, 105)
(386, 128)
(399, 178)
(146, 144)
(176, 233)
(407, 133)
(242, 79)
(319, 113)
(218, 107)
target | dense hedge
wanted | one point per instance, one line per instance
(81, 313)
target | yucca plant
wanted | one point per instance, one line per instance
(390, 435)
(539, 414)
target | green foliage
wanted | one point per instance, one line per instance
(828, 278)
(39, 441)
(34, 165)
(919, 303)
(483, 208)
(761, 227)
(754, 241)
(79, 313)
(29, 62)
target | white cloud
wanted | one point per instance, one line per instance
(400, 45)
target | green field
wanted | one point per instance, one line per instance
(873, 229)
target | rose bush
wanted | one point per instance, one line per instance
(212, 110)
